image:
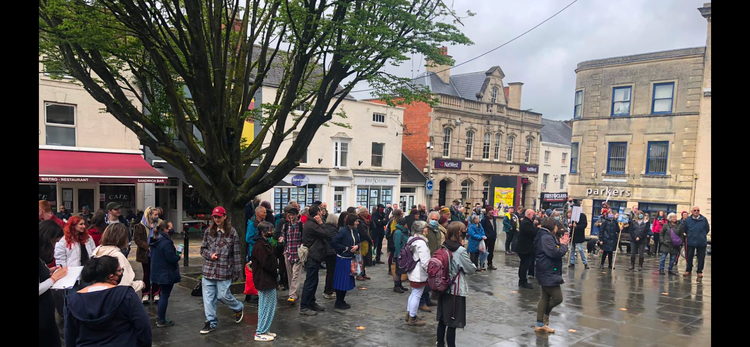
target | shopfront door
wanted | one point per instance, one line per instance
(75, 196)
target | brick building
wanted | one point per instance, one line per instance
(476, 142)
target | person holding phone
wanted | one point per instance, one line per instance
(551, 246)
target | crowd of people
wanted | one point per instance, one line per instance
(435, 251)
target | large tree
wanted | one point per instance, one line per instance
(222, 52)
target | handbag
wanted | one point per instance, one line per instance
(198, 290)
(302, 253)
(356, 268)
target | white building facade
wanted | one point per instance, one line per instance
(554, 164)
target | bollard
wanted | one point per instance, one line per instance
(186, 250)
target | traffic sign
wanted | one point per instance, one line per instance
(430, 185)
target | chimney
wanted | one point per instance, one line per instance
(442, 71)
(514, 95)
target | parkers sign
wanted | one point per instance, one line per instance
(606, 191)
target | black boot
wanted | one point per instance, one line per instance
(640, 264)
(632, 263)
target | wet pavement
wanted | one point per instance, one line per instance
(600, 308)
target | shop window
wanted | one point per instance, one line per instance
(121, 194)
(60, 124)
(653, 209)
(596, 211)
(49, 192)
(371, 196)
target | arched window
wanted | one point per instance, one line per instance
(485, 192)
(465, 190)
(447, 142)
(528, 150)
(494, 95)
(498, 139)
(486, 147)
(469, 144)
(510, 148)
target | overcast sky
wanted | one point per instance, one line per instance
(545, 59)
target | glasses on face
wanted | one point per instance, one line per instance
(696, 210)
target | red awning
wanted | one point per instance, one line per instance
(78, 166)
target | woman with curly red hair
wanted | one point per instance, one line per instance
(76, 246)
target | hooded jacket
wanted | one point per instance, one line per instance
(128, 276)
(420, 252)
(638, 231)
(434, 238)
(165, 263)
(549, 256)
(112, 317)
(579, 235)
(608, 234)
(460, 262)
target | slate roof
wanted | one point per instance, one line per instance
(555, 131)
(675, 53)
(409, 172)
(463, 85)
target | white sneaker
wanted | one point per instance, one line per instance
(145, 299)
(263, 337)
(156, 298)
(270, 334)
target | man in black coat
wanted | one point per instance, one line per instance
(316, 238)
(525, 247)
(380, 218)
(579, 238)
(491, 233)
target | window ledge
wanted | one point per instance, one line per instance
(380, 125)
(615, 175)
(655, 176)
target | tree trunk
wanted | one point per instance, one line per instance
(236, 217)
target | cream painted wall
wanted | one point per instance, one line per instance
(94, 129)
(554, 167)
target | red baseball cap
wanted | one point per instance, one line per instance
(219, 211)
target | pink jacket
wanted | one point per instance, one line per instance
(658, 225)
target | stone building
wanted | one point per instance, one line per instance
(476, 142)
(637, 128)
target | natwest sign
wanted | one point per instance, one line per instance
(447, 164)
(529, 168)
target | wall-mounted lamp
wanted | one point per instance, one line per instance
(360, 163)
(458, 122)
(320, 160)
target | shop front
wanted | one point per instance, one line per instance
(304, 188)
(553, 200)
(96, 179)
(374, 190)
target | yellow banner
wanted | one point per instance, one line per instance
(504, 195)
(248, 130)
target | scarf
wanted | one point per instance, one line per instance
(144, 221)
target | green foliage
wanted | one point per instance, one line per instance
(155, 51)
